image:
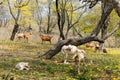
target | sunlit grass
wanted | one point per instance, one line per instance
(114, 50)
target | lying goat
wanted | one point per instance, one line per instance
(45, 38)
(22, 66)
(78, 54)
(92, 44)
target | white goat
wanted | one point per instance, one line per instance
(22, 66)
(68, 49)
(78, 54)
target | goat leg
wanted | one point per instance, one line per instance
(65, 59)
(27, 40)
(78, 67)
(42, 41)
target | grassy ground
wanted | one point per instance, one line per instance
(98, 66)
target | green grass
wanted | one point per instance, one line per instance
(98, 66)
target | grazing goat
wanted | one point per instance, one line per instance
(23, 35)
(22, 66)
(78, 54)
(45, 38)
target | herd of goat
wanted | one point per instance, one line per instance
(25, 36)
(78, 55)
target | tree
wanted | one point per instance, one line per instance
(109, 5)
(67, 16)
(44, 15)
(89, 20)
(60, 9)
(72, 17)
(4, 17)
(18, 5)
(104, 33)
(37, 14)
(50, 17)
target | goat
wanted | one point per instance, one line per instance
(78, 54)
(92, 44)
(97, 49)
(27, 35)
(45, 38)
(22, 66)
(23, 35)
(20, 35)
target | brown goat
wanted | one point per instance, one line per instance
(23, 35)
(45, 38)
(27, 35)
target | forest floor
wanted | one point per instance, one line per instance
(99, 66)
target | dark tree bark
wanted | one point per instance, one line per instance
(103, 29)
(15, 29)
(61, 18)
(107, 10)
(103, 34)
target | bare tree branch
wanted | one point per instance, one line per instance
(11, 10)
(81, 7)
(113, 31)
(77, 32)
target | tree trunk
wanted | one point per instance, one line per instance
(61, 19)
(62, 35)
(57, 48)
(107, 10)
(49, 17)
(16, 27)
(104, 28)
